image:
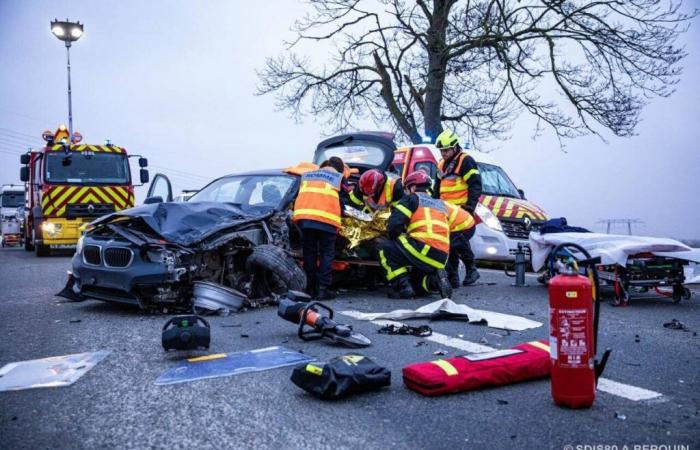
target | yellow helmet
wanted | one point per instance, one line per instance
(446, 139)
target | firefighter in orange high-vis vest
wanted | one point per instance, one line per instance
(317, 212)
(419, 241)
(376, 191)
(458, 183)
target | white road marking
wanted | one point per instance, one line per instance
(627, 391)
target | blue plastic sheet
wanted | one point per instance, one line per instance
(233, 364)
(48, 372)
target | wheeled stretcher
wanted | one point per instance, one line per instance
(629, 264)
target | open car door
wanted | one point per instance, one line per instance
(361, 151)
(160, 190)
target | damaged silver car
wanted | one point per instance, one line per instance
(229, 246)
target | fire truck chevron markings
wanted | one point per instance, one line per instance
(604, 384)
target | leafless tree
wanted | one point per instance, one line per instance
(577, 66)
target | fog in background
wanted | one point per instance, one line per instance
(175, 82)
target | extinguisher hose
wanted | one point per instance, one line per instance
(589, 263)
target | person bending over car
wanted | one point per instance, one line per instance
(317, 212)
(459, 183)
(462, 228)
(419, 239)
(376, 191)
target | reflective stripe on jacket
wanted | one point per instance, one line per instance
(427, 235)
(454, 188)
(459, 218)
(318, 197)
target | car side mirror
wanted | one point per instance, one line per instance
(151, 200)
(143, 173)
(143, 162)
(24, 173)
(24, 158)
(522, 194)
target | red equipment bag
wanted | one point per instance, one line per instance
(464, 373)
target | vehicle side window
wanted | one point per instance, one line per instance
(427, 167)
(37, 171)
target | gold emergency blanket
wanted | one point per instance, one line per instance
(359, 227)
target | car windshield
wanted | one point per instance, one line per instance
(252, 190)
(494, 181)
(81, 168)
(358, 153)
(12, 199)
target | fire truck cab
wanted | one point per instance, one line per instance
(69, 185)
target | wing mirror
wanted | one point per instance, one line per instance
(143, 173)
(522, 194)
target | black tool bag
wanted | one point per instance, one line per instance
(341, 376)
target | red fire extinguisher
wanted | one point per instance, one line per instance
(573, 331)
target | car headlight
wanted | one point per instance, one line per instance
(79, 245)
(488, 218)
(52, 229)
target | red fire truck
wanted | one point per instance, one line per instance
(68, 185)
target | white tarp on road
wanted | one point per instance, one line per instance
(612, 248)
(445, 308)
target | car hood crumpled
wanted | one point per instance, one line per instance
(190, 223)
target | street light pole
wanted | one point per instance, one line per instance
(70, 102)
(68, 32)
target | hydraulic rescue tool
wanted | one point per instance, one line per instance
(314, 324)
(574, 313)
(187, 332)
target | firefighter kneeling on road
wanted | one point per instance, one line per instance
(376, 191)
(459, 183)
(419, 241)
(317, 211)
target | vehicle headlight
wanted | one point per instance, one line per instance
(52, 229)
(488, 218)
(79, 245)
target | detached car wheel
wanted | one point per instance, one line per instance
(274, 271)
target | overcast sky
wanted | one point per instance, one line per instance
(175, 81)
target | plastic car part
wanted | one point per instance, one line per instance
(48, 372)
(233, 364)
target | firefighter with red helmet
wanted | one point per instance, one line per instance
(458, 183)
(376, 191)
(419, 239)
(317, 211)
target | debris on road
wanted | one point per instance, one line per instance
(341, 377)
(421, 331)
(676, 325)
(232, 364)
(440, 352)
(620, 416)
(48, 372)
(75, 321)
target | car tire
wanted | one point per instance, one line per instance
(28, 246)
(42, 250)
(269, 263)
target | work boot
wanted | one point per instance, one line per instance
(454, 279)
(444, 284)
(402, 288)
(471, 275)
(325, 293)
